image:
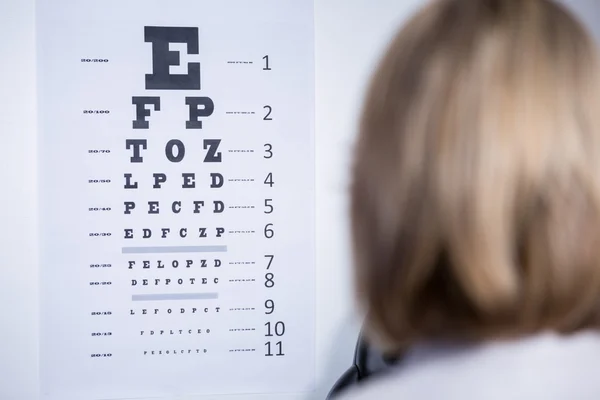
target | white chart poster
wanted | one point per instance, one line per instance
(176, 152)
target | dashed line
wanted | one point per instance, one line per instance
(242, 280)
(242, 330)
(241, 180)
(241, 151)
(240, 62)
(242, 232)
(242, 263)
(241, 207)
(242, 309)
(240, 112)
(241, 350)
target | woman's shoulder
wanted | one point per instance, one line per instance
(546, 366)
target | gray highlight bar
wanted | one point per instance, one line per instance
(174, 296)
(174, 249)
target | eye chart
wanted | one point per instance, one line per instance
(176, 197)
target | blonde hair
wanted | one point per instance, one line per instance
(476, 186)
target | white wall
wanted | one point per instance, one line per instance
(350, 36)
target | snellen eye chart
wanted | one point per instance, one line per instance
(176, 173)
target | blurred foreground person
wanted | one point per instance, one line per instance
(476, 206)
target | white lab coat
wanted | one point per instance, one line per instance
(544, 367)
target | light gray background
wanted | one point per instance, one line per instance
(350, 35)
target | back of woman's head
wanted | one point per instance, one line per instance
(476, 185)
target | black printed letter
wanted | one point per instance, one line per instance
(142, 112)
(163, 58)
